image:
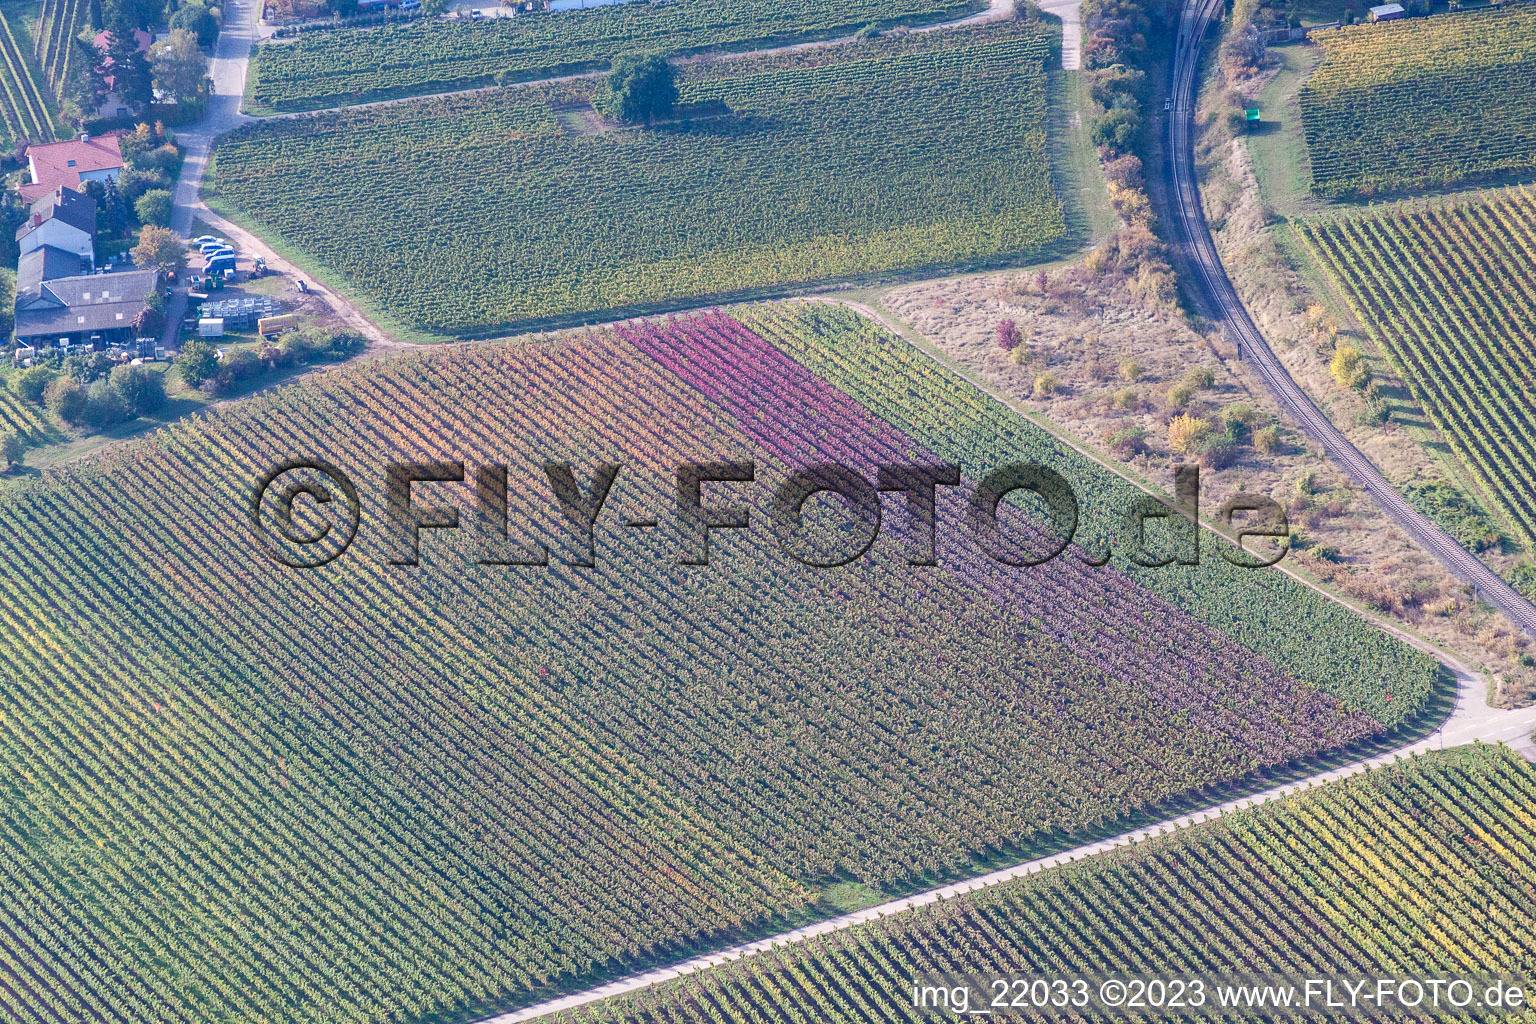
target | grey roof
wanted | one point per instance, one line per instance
(43, 264)
(76, 209)
(87, 302)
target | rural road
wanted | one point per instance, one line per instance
(231, 58)
(1198, 264)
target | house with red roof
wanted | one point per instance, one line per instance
(72, 163)
(111, 105)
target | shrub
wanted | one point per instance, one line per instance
(1180, 394)
(154, 207)
(197, 363)
(1115, 130)
(1201, 377)
(236, 367)
(1128, 442)
(1046, 385)
(12, 450)
(641, 89)
(1348, 368)
(1185, 433)
(86, 367)
(141, 389)
(103, 406)
(65, 398)
(1008, 336)
(1131, 369)
(33, 381)
(1267, 439)
(1127, 398)
(1240, 412)
(1218, 453)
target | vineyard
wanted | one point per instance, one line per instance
(1421, 869)
(535, 223)
(1445, 290)
(371, 792)
(18, 417)
(1422, 103)
(54, 46)
(21, 102)
(327, 69)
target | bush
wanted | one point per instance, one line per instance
(12, 450)
(132, 183)
(33, 381)
(1267, 439)
(1201, 377)
(196, 18)
(1008, 336)
(1046, 385)
(141, 389)
(1116, 129)
(1186, 433)
(103, 406)
(1240, 412)
(1180, 394)
(1128, 442)
(154, 207)
(87, 367)
(1348, 368)
(1127, 398)
(197, 363)
(641, 89)
(65, 398)
(1131, 370)
(236, 367)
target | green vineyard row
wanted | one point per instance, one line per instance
(472, 215)
(1443, 289)
(349, 66)
(1421, 869)
(1422, 103)
(373, 793)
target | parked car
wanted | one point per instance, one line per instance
(410, 5)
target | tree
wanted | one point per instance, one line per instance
(103, 406)
(160, 247)
(32, 382)
(179, 67)
(197, 364)
(642, 89)
(65, 398)
(148, 322)
(1185, 433)
(131, 77)
(1008, 336)
(1348, 368)
(196, 18)
(141, 389)
(12, 450)
(154, 207)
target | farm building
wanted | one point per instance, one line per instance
(70, 163)
(1387, 12)
(58, 300)
(64, 219)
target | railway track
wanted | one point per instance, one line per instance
(1201, 267)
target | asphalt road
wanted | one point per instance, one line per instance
(1200, 266)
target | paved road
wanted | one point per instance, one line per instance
(1198, 263)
